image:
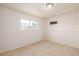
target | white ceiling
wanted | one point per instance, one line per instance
(37, 9)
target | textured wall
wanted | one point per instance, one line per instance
(11, 36)
(66, 31)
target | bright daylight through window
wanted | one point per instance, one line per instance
(28, 24)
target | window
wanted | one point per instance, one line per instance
(28, 24)
(33, 24)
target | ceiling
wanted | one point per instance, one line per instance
(38, 10)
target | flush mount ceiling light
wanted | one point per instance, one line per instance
(48, 5)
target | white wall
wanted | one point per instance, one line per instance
(11, 36)
(66, 31)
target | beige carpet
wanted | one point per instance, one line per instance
(43, 48)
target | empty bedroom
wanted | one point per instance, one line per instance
(39, 29)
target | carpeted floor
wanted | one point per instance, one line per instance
(43, 48)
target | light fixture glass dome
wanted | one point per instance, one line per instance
(48, 5)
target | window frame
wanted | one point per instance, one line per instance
(30, 22)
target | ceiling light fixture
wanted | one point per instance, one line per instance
(48, 5)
